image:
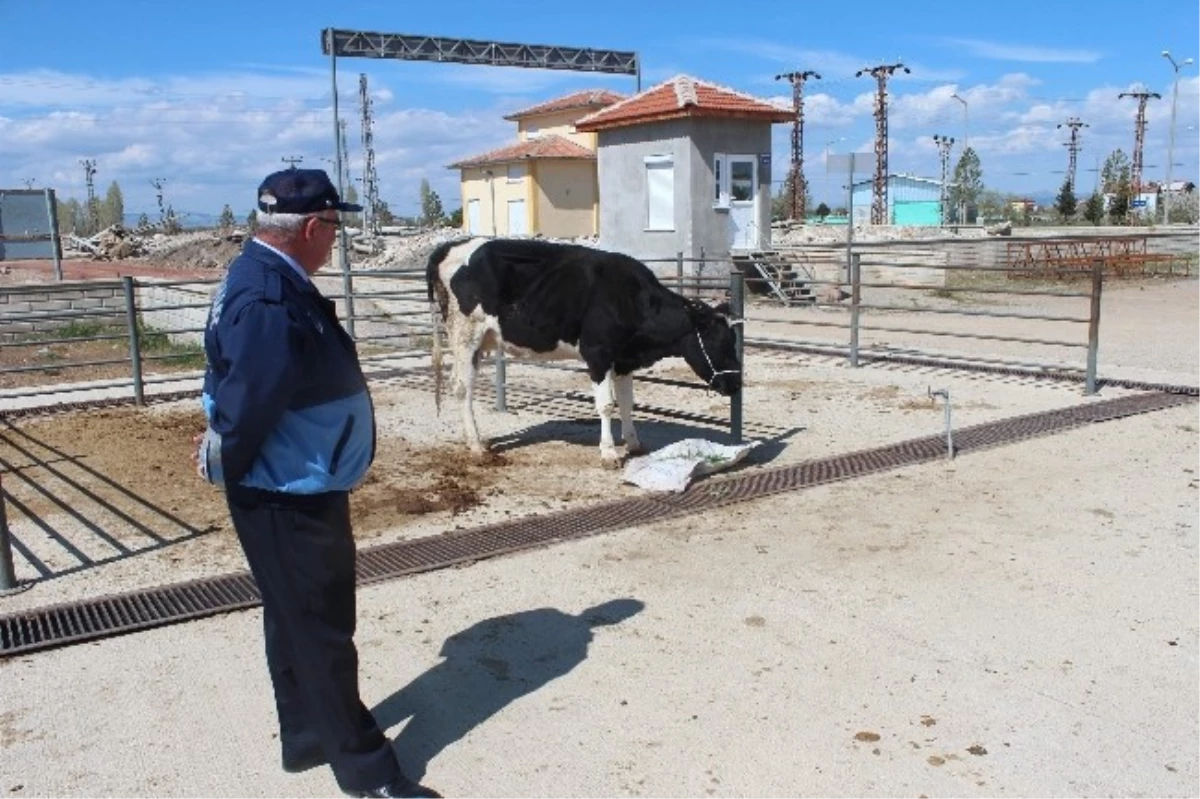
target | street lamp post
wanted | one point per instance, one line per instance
(962, 204)
(1171, 135)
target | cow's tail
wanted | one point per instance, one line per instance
(439, 304)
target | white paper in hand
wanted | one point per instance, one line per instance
(675, 465)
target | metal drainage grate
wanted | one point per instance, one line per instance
(76, 622)
(44, 628)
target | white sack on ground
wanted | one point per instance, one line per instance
(675, 465)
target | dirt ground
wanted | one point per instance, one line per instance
(1021, 621)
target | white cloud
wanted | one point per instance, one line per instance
(213, 137)
(980, 48)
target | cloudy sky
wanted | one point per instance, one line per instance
(209, 97)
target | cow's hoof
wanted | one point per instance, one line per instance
(633, 448)
(610, 460)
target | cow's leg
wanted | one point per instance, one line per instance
(624, 386)
(466, 355)
(606, 409)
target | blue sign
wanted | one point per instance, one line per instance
(1138, 204)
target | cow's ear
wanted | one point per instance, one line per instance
(723, 309)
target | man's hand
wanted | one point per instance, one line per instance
(197, 442)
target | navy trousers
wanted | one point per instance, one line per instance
(301, 552)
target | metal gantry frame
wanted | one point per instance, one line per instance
(407, 47)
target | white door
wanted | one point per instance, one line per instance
(516, 218)
(743, 203)
(473, 217)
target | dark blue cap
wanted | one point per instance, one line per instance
(300, 191)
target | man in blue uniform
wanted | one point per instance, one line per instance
(291, 430)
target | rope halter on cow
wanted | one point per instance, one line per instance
(704, 350)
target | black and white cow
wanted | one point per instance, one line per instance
(544, 300)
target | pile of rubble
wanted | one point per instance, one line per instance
(111, 244)
(788, 232)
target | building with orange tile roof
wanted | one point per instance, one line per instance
(544, 183)
(685, 167)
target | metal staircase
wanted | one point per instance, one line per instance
(784, 276)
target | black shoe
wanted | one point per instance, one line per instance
(401, 786)
(304, 759)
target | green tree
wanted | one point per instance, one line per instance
(822, 211)
(143, 223)
(252, 220)
(431, 205)
(1116, 165)
(1118, 207)
(227, 220)
(112, 209)
(455, 218)
(1065, 203)
(991, 204)
(1093, 210)
(968, 182)
(71, 217)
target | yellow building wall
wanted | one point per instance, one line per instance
(561, 124)
(566, 195)
(493, 193)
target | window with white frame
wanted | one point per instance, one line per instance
(516, 173)
(660, 192)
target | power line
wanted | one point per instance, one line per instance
(799, 194)
(292, 160)
(881, 74)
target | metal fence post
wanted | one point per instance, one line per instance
(499, 380)
(1094, 324)
(699, 275)
(135, 349)
(55, 241)
(347, 283)
(855, 299)
(679, 271)
(737, 306)
(8, 576)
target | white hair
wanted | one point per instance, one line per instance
(285, 226)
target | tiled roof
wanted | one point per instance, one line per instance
(683, 96)
(549, 146)
(590, 98)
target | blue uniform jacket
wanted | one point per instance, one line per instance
(287, 405)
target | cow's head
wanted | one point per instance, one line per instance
(711, 350)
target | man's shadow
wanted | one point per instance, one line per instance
(487, 666)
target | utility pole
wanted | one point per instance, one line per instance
(28, 182)
(1073, 147)
(157, 183)
(369, 180)
(944, 143)
(799, 198)
(881, 74)
(292, 160)
(1139, 138)
(89, 171)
